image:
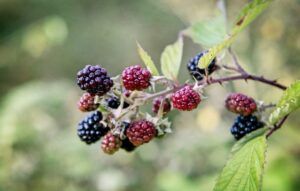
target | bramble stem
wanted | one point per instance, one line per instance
(277, 126)
(246, 77)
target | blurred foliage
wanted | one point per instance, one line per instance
(42, 45)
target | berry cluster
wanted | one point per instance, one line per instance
(115, 103)
(245, 106)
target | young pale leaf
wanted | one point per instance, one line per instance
(147, 60)
(289, 102)
(247, 15)
(244, 169)
(207, 33)
(171, 58)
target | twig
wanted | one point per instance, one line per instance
(263, 107)
(230, 68)
(240, 69)
(277, 126)
(246, 77)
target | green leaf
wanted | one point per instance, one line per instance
(244, 169)
(289, 102)
(147, 60)
(208, 33)
(171, 58)
(249, 13)
(246, 16)
(247, 138)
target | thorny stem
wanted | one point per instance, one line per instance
(245, 77)
(277, 126)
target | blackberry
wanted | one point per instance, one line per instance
(195, 71)
(244, 125)
(86, 103)
(110, 144)
(90, 129)
(94, 80)
(140, 132)
(240, 103)
(157, 102)
(136, 78)
(186, 99)
(127, 145)
(114, 103)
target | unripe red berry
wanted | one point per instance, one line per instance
(136, 78)
(140, 132)
(241, 104)
(110, 143)
(157, 103)
(186, 99)
(87, 103)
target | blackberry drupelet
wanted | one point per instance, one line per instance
(195, 71)
(90, 129)
(244, 125)
(94, 80)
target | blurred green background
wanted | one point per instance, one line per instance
(44, 43)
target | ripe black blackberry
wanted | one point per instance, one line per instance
(90, 129)
(244, 125)
(127, 145)
(94, 80)
(195, 71)
(114, 103)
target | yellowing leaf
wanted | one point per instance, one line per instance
(147, 60)
(171, 59)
